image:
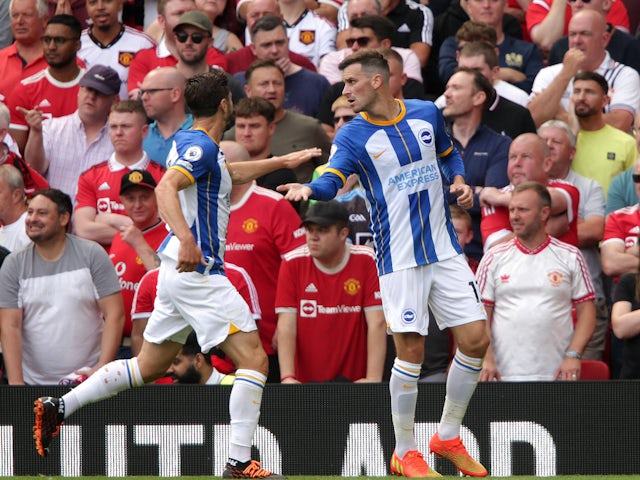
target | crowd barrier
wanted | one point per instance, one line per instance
(542, 429)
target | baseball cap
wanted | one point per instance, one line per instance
(326, 214)
(195, 18)
(137, 178)
(102, 79)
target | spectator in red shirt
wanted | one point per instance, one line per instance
(24, 56)
(99, 215)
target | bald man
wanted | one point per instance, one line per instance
(162, 95)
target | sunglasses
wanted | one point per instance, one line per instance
(636, 177)
(344, 118)
(196, 37)
(59, 41)
(361, 41)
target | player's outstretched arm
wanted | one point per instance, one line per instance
(243, 172)
(295, 192)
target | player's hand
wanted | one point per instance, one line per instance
(189, 256)
(295, 191)
(33, 117)
(569, 370)
(464, 194)
(293, 159)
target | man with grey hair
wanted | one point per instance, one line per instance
(13, 209)
(561, 142)
(24, 56)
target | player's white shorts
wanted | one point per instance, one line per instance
(448, 287)
(208, 304)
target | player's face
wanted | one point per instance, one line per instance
(588, 98)
(140, 204)
(183, 371)
(272, 45)
(358, 88)
(267, 82)
(43, 223)
(525, 214)
(59, 56)
(458, 95)
(93, 104)
(486, 11)
(326, 244)
(527, 162)
(127, 131)
(588, 36)
(26, 25)
(559, 145)
(254, 133)
(172, 11)
(104, 13)
(192, 53)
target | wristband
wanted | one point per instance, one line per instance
(282, 379)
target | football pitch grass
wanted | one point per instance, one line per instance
(319, 477)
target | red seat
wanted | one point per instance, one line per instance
(594, 370)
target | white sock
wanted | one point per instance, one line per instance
(109, 380)
(244, 409)
(461, 383)
(403, 387)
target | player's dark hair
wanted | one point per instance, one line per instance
(268, 23)
(481, 49)
(544, 197)
(250, 107)
(480, 84)
(371, 61)
(68, 20)
(204, 92)
(594, 77)
(382, 27)
(261, 63)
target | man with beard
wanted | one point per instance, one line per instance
(194, 367)
(53, 90)
(69, 284)
(109, 42)
(602, 151)
(193, 292)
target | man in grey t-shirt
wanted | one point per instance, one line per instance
(60, 302)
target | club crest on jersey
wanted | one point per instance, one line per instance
(250, 225)
(555, 278)
(193, 154)
(124, 58)
(307, 37)
(426, 137)
(409, 316)
(352, 286)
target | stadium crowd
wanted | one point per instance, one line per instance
(545, 91)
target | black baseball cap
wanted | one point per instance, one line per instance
(102, 79)
(326, 214)
(137, 178)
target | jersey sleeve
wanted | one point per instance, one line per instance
(626, 289)
(10, 283)
(102, 272)
(145, 295)
(484, 278)
(581, 286)
(18, 98)
(286, 298)
(242, 281)
(494, 225)
(626, 94)
(86, 194)
(613, 230)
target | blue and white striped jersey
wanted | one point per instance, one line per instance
(206, 203)
(401, 165)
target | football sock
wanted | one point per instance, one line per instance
(244, 410)
(403, 387)
(109, 380)
(461, 383)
